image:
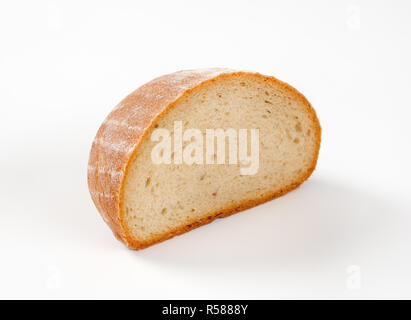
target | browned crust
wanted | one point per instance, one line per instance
(124, 129)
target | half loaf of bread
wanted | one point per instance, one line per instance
(145, 201)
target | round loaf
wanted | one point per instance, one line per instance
(124, 129)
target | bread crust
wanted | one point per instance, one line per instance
(122, 132)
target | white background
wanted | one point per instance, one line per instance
(346, 233)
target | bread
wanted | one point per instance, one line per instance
(145, 202)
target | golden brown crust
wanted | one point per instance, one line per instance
(125, 128)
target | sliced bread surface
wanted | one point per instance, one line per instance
(146, 202)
